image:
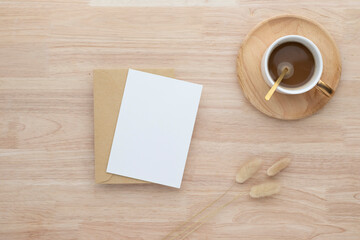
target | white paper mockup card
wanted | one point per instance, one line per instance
(154, 128)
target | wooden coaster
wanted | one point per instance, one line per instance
(282, 106)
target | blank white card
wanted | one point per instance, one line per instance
(154, 128)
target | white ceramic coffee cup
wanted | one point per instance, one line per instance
(315, 79)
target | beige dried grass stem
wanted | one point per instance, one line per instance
(197, 214)
(258, 191)
(211, 214)
(244, 173)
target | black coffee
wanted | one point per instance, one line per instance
(297, 58)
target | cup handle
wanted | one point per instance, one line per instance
(324, 88)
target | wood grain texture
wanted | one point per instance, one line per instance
(283, 106)
(48, 50)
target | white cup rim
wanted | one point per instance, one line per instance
(317, 70)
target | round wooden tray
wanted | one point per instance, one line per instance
(282, 106)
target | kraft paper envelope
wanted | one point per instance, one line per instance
(108, 92)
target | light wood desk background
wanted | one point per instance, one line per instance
(48, 50)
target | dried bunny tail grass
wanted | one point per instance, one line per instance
(264, 190)
(278, 166)
(248, 170)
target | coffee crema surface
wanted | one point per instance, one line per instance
(297, 58)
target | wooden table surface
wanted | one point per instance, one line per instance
(48, 50)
